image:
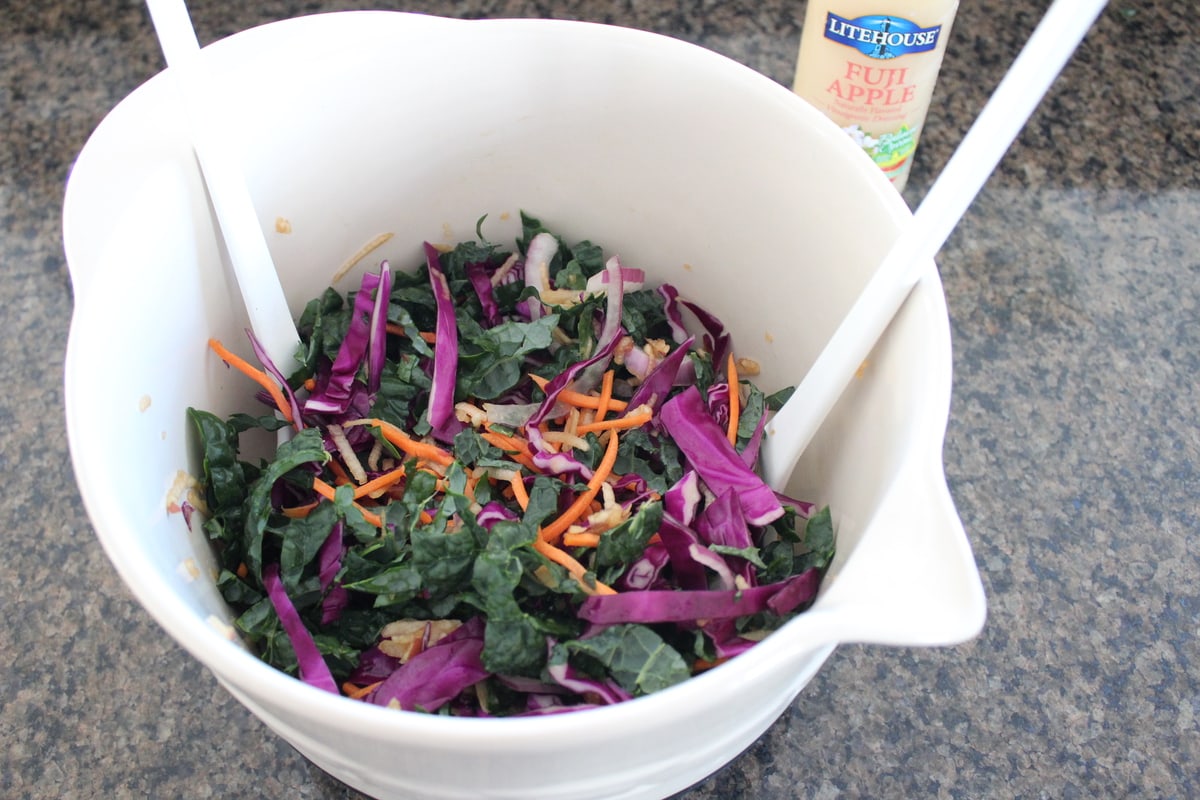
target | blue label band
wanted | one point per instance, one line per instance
(881, 36)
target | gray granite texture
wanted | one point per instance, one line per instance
(1072, 451)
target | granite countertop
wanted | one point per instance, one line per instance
(1072, 451)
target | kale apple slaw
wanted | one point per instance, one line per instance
(516, 484)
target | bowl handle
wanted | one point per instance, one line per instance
(912, 579)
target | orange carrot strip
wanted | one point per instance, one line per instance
(339, 473)
(606, 387)
(513, 448)
(573, 567)
(255, 374)
(558, 527)
(507, 443)
(299, 512)
(398, 330)
(518, 487)
(619, 423)
(383, 481)
(735, 400)
(325, 490)
(415, 448)
(582, 539)
(580, 399)
(358, 692)
(242, 570)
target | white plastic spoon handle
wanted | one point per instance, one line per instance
(1018, 94)
(266, 305)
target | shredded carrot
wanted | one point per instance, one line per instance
(582, 539)
(339, 473)
(606, 387)
(558, 527)
(735, 400)
(580, 399)
(310, 384)
(573, 567)
(299, 512)
(619, 423)
(508, 443)
(255, 374)
(359, 692)
(379, 483)
(701, 664)
(518, 486)
(242, 570)
(325, 490)
(414, 447)
(398, 330)
(516, 449)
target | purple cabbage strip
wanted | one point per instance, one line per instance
(754, 444)
(542, 248)
(436, 675)
(717, 400)
(271, 368)
(313, 669)
(678, 540)
(560, 463)
(481, 282)
(726, 642)
(445, 354)
(682, 499)
(492, 513)
(329, 561)
(569, 678)
(653, 607)
(377, 342)
(632, 278)
(611, 333)
(715, 562)
(645, 572)
(333, 397)
(654, 390)
(804, 509)
(374, 665)
(670, 296)
(717, 339)
(709, 452)
(723, 523)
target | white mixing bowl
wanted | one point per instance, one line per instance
(689, 165)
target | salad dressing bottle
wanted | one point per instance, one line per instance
(870, 66)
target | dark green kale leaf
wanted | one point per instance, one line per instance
(817, 547)
(306, 447)
(513, 640)
(635, 656)
(491, 361)
(627, 541)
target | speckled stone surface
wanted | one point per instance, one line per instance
(1072, 451)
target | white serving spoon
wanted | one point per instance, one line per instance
(257, 279)
(1002, 118)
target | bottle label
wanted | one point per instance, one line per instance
(881, 36)
(890, 151)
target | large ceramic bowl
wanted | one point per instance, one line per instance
(689, 165)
